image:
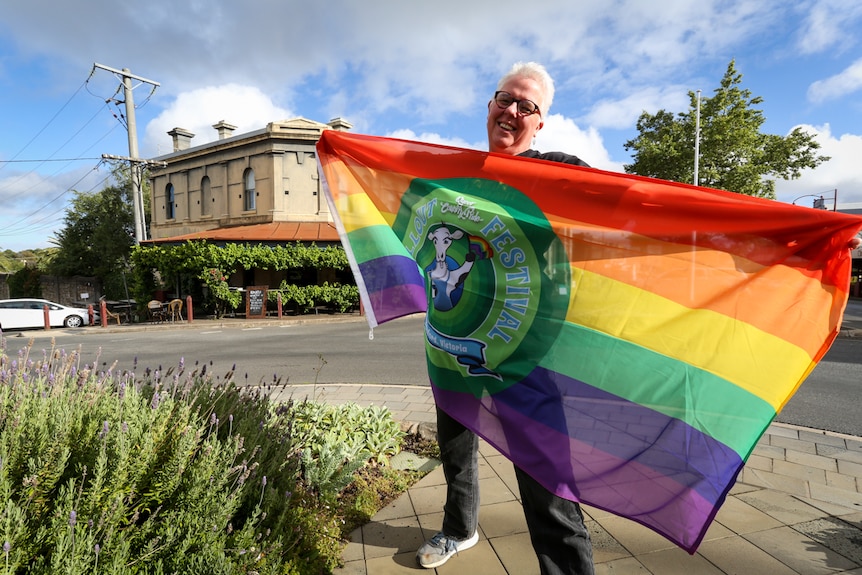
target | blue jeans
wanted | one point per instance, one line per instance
(556, 525)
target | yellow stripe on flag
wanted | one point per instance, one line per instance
(704, 339)
(358, 211)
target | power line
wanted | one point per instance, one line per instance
(54, 117)
(45, 160)
(27, 223)
(9, 183)
(22, 226)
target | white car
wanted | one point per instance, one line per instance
(29, 312)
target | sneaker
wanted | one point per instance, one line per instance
(440, 548)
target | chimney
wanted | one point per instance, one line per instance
(339, 124)
(182, 139)
(224, 130)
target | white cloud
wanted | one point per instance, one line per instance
(245, 107)
(433, 138)
(558, 134)
(563, 135)
(829, 25)
(624, 112)
(847, 82)
(840, 173)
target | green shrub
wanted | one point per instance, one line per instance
(171, 473)
(340, 297)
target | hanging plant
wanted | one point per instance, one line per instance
(220, 293)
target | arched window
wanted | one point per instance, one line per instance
(248, 178)
(169, 202)
(206, 196)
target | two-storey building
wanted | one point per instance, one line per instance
(260, 187)
(264, 182)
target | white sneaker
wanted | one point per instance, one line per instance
(437, 550)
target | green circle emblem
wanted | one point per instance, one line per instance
(497, 279)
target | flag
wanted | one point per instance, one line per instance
(624, 340)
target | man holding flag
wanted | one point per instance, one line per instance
(561, 541)
(624, 341)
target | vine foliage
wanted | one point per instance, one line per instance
(211, 265)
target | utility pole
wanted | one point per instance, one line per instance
(134, 160)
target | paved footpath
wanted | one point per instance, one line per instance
(796, 510)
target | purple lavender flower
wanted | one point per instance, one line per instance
(73, 518)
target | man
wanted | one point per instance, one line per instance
(559, 537)
(561, 541)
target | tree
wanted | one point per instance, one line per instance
(9, 261)
(98, 235)
(734, 155)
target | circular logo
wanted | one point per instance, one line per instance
(497, 280)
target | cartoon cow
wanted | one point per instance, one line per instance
(446, 276)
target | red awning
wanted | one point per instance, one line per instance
(274, 232)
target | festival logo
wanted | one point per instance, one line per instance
(495, 273)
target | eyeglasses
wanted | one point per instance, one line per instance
(525, 107)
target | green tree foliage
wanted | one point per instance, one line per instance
(98, 235)
(39, 258)
(734, 154)
(9, 261)
(25, 282)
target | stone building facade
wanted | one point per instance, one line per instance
(252, 182)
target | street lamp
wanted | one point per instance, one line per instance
(819, 202)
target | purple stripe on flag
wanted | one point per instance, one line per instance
(604, 451)
(395, 287)
(626, 430)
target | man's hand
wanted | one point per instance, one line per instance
(855, 243)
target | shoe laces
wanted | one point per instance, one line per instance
(447, 543)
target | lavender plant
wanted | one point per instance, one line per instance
(104, 472)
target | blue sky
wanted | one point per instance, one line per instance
(407, 69)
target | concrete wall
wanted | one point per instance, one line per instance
(62, 290)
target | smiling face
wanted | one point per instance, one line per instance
(508, 131)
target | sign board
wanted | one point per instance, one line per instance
(255, 302)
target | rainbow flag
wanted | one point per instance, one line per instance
(624, 340)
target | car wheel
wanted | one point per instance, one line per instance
(73, 321)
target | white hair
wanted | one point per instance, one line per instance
(534, 71)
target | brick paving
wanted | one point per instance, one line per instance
(796, 510)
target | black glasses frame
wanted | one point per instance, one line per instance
(525, 107)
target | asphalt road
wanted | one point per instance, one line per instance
(322, 352)
(341, 352)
